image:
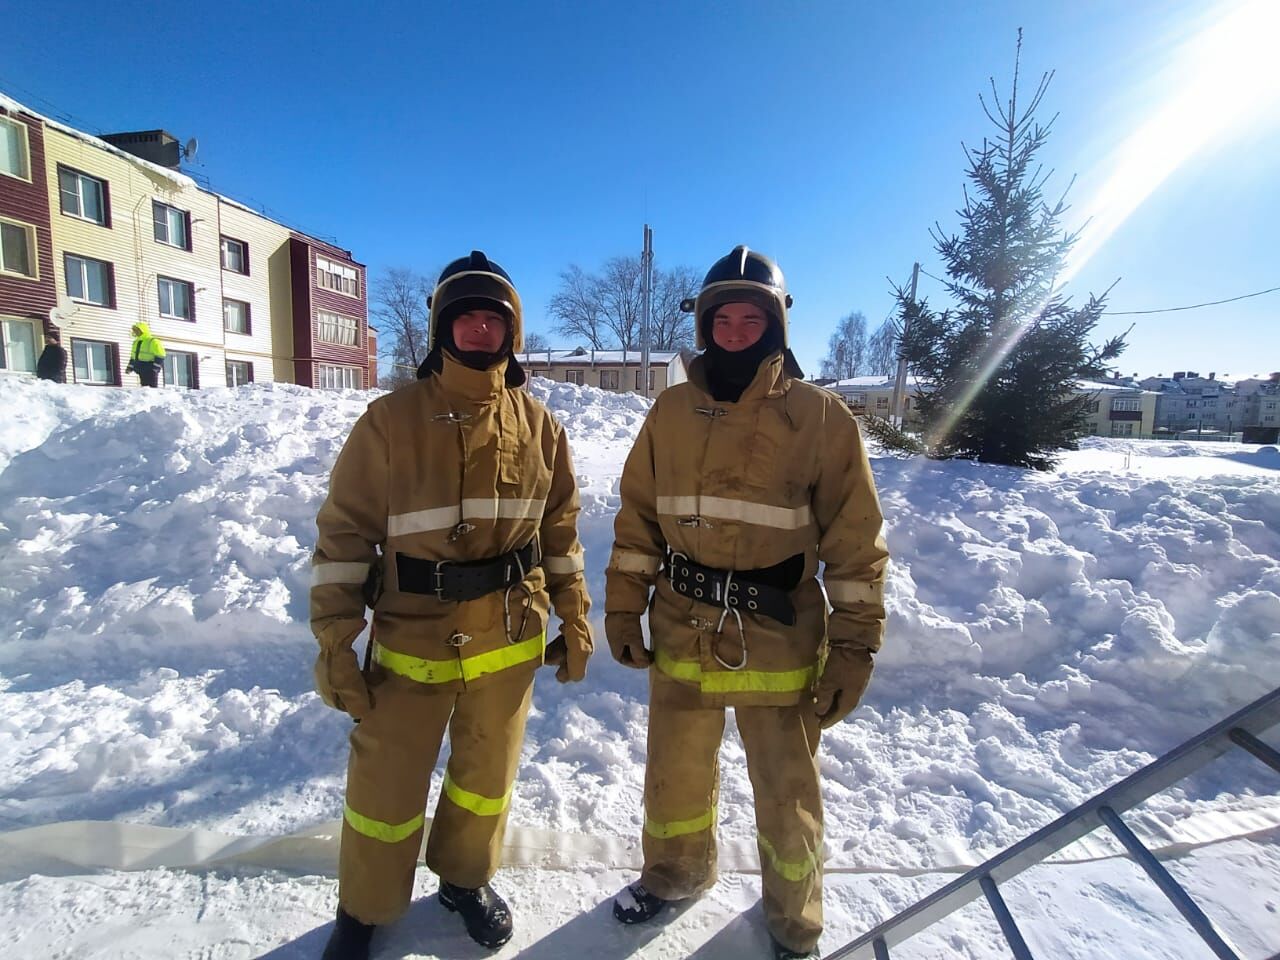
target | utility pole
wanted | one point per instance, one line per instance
(646, 307)
(899, 383)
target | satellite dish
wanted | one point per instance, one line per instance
(189, 151)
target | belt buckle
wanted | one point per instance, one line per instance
(458, 639)
(439, 578)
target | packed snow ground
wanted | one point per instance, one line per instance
(1048, 635)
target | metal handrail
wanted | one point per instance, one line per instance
(1238, 730)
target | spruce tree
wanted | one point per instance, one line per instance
(999, 367)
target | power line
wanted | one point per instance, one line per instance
(1193, 306)
(1127, 313)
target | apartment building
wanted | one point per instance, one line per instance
(103, 232)
(874, 395)
(1118, 408)
(618, 370)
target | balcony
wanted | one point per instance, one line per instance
(1126, 415)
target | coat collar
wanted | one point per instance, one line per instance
(772, 379)
(474, 385)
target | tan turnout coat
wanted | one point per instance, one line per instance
(741, 486)
(493, 473)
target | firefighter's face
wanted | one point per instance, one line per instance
(737, 326)
(480, 330)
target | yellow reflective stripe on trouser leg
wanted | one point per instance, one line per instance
(795, 871)
(378, 829)
(481, 806)
(679, 828)
(740, 681)
(468, 668)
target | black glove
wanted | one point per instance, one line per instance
(129, 367)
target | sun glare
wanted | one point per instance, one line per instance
(1225, 77)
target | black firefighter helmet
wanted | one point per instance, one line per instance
(473, 283)
(744, 276)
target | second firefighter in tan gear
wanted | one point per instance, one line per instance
(460, 489)
(741, 482)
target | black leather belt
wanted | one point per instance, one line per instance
(743, 590)
(463, 579)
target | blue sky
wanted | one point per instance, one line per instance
(825, 134)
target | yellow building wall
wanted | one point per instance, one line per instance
(268, 346)
(137, 258)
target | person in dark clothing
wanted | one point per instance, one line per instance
(52, 364)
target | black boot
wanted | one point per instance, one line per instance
(349, 940)
(485, 913)
(786, 953)
(635, 904)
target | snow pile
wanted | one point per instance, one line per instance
(1048, 635)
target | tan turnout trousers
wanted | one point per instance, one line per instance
(680, 793)
(393, 752)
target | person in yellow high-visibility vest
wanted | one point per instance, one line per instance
(145, 355)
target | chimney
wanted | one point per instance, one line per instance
(1179, 374)
(1212, 374)
(157, 146)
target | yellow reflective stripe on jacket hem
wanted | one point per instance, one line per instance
(378, 830)
(795, 871)
(854, 591)
(629, 561)
(467, 668)
(481, 806)
(441, 518)
(679, 828)
(737, 681)
(724, 508)
(325, 573)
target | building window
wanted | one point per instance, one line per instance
(235, 316)
(176, 299)
(857, 399)
(93, 362)
(235, 255)
(89, 281)
(638, 387)
(335, 328)
(337, 276)
(882, 403)
(179, 369)
(1094, 407)
(1191, 403)
(573, 376)
(608, 379)
(18, 248)
(1126, 404)
(239, 372)
(172, 226)
(18, 346)
(1122, 428)
(1191, 416)
(83, 197)
(330, 377)
(15, 158)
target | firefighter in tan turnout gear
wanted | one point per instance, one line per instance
(741, 482)
(459, 492)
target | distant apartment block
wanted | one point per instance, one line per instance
(1194, 406)
(617, 370)
(102, 232)
(874, 395)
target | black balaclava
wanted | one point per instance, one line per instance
(475, 359)
(730, 372)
